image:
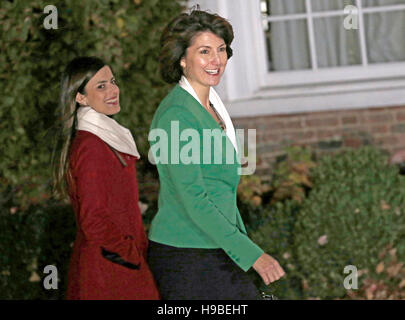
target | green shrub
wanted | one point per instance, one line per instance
(251, 189)
(354, 210)
(275, 237)
(269, 211)
(391, 281)
(35, 230)
(31, 240)
(291, 177)
(124, 33)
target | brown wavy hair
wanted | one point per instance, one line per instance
(74, 79)
(179, 34)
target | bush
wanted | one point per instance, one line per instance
(275, 236)
(29, 241)
(251, 190)
(391, 281)
(291, 178)
(32, 58)
(354, 210)
(35, 230)
(269, 211)
(252, 195)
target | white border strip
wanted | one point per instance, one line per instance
(321, 14)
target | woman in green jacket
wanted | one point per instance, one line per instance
(199, 248)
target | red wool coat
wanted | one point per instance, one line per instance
(109, 254)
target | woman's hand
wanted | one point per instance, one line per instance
(268, 268)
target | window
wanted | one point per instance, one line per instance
(296, 55)
(309, 38)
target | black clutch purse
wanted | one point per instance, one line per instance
(266, 296)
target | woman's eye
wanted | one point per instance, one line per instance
(222, 49)
(204, 51)
(101, 86)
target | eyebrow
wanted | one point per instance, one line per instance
(104, 81)
(210, 47)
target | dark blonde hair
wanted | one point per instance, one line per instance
(75, 77)
(179, 34)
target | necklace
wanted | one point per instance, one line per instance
(221, 122)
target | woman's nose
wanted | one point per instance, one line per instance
(215, 59)
(114, 89)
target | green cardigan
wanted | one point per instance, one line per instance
(197, 200)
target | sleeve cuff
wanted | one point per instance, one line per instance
(116, 258)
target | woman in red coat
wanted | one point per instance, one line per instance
(98, 162)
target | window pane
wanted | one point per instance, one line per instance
(282, 7)
(379, 3)
(336, 46)
(385, 36)
(287, 44)
(330, 5)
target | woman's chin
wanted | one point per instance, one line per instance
(114, 109)
(214, 82)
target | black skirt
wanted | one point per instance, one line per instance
(198, 274)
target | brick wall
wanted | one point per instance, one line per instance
(328, 131)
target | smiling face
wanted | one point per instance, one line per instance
(205, 60)
(101, 93)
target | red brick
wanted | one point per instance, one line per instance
(363, 118)
(386, 141)
(352, 142)
(380, 129)
(240, 122)
(382, 117)
(398, 128)
(273, 137)
(300, 135)
(330, 144)
(349, 120)
(322, 122)
(293, 124)
(400, 140)
(260, 137)
(275, 125)
(322, 134)
(355, 130)
(400, 116)
(320, 114)
(383, 127)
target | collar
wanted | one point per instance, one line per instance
(218, 105)
(107, 129)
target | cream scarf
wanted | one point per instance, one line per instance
(218, 105)
(107, 129)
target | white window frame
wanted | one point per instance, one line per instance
(321, 75)
(247, 81)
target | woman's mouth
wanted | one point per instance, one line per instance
(212, 72)
(113, 101)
